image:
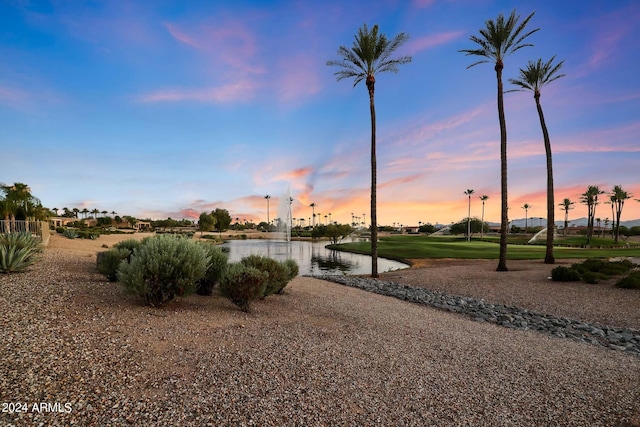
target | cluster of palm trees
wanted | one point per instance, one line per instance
(75, 212)
(616, 199)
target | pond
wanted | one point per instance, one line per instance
(312, 257)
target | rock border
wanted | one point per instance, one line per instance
(614, 338)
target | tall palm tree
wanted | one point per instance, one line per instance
(618, 196)
(313, 210)
(498, 39)
(370, 54)
(533, 78)
(526, 208)
(566, 205)
(469, 192)
(484, 198)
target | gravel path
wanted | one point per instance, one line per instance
(322, 354)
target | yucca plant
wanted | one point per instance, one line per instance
(18, 251)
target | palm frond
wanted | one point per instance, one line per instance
(371, 53)
(500, 38)
(538, 74)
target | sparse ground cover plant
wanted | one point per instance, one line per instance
(592, 270)
(565, 274)
(216, 268)
(18, 251)
(108, 262)
(632, 281)
(164, 267)
(242, 285)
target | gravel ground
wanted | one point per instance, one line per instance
(321, 354)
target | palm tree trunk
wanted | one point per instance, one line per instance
(374, 213)
(548, 258)
(504, 218)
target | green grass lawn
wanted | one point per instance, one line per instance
(407, 247)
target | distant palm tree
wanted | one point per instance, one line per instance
(113, 213)
(533, 78)
(55, 210)
(370, 54)
(313, 210)
(566, 205)
(590, 198)
(75, 212)
(484, 198)
(618, 196)
(498, 39)
(268, 197)
(526, 208)
(95, 212)
(469, 192)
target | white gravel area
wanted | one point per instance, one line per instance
(321, 354)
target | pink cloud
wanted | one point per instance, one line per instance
(234, 92)
(9, 95)
(423, 43)
(179, 35)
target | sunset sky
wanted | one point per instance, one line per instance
(161, 109)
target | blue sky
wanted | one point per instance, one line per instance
(170, 108)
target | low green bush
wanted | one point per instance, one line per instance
(92, 235)
(632, 281)
(162, 268)
(616, 268)
(70, 233)
(292, 271)
(108, 262)
(565, 274)
(18, 251)
(275, 271)
(215, 269)
(129, 244)
(242, 284)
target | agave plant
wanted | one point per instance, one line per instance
(18, 251)
(70, 233)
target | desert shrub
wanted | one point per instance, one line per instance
(632, 281)
(616, 268)
(592, 264)
(565, 274)
(18, 251)
(93, 235)
(242, 284)
(593, 278)
(292, 271)
(109, 261)
(162, 268)
(275, 271)
(70, 233)
(130, 245)
(60, 230)
(215, 269)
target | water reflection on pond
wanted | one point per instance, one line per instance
(312, 257)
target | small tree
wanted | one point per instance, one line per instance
(206, 222)
(222, 219)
